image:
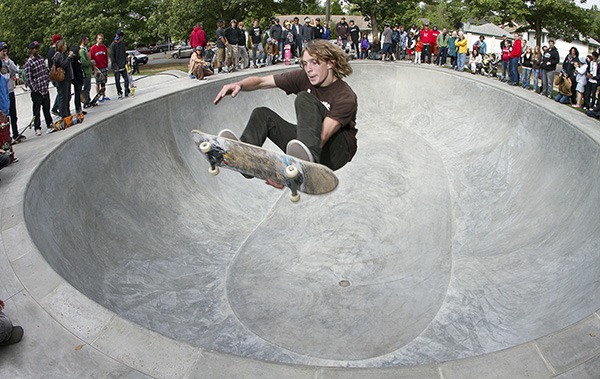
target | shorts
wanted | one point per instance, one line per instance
(220, 57)
(580, 88)
(387, 47)
(101, 75)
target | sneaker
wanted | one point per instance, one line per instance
(120, 96)
(38, 132)
(15, 336)
(55, 112)
(226, 133)
(299, 150)
(50, 131)
(100, 100)
(106, 98)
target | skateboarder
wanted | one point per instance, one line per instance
(325, 108)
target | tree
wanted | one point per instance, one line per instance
(377, 11)
(561, 18)
(23, 22)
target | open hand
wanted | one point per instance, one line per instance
(229, 89)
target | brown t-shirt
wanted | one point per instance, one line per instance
(339, 99)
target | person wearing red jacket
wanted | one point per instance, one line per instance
(513, 60)
(198, 37)
(426, 38)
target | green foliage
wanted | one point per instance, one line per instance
(25, 21)
(561, 18)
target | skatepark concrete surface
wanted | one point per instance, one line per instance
(462, 242)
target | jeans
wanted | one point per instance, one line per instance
(64, 94)
(41, 101)
(461, 62)
(426, 56)
(526, 77)
(118, 74)
(87, 86)
(265, 123)
(442, 56)
(12, 112)
(563, 99)
(589, 98)
(77, 96)
(6, 327)
(547, 82)
(243, 54)
(56, 106)
(514, 70)
(504, 70)
(258, 50)
(280, 46)
(535, 75)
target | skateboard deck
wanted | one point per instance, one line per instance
(287, 54)
(285, 170)
(5, 139)
(20, 137)
(63, 123)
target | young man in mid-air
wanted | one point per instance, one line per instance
(325, 108)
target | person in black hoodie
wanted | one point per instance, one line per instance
(78, 76)
(550, 59)
(118, 61)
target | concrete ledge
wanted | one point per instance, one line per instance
(69, 335)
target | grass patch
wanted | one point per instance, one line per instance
(160, 67)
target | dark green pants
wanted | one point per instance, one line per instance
(265, 123)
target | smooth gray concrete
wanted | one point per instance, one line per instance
(467, 224)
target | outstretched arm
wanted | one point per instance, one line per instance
(247, 84)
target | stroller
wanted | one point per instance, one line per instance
(490, 65)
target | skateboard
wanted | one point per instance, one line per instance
(20, 137)
(297, 175)
(5, 140)
(287, 54)
(63, 123)
(94, 101)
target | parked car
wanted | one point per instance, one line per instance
(162, 47)
(146, 50)
(182, 52)
(141, 58)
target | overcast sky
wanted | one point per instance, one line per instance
(588, 4)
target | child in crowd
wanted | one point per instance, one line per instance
(364, 46)
(581, 79)
(418, 50)
(505, 59)
(271, 51)
(410, 46)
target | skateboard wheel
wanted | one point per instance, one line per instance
(214, 171)
(295, 198)
(291, 172)
(205, 147)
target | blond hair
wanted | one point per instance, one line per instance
(325, 51)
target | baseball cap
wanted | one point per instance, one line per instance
(33, 45)
(3, 46)
(56, 38)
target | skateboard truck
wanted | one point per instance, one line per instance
(206, 148)
(291, 172)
